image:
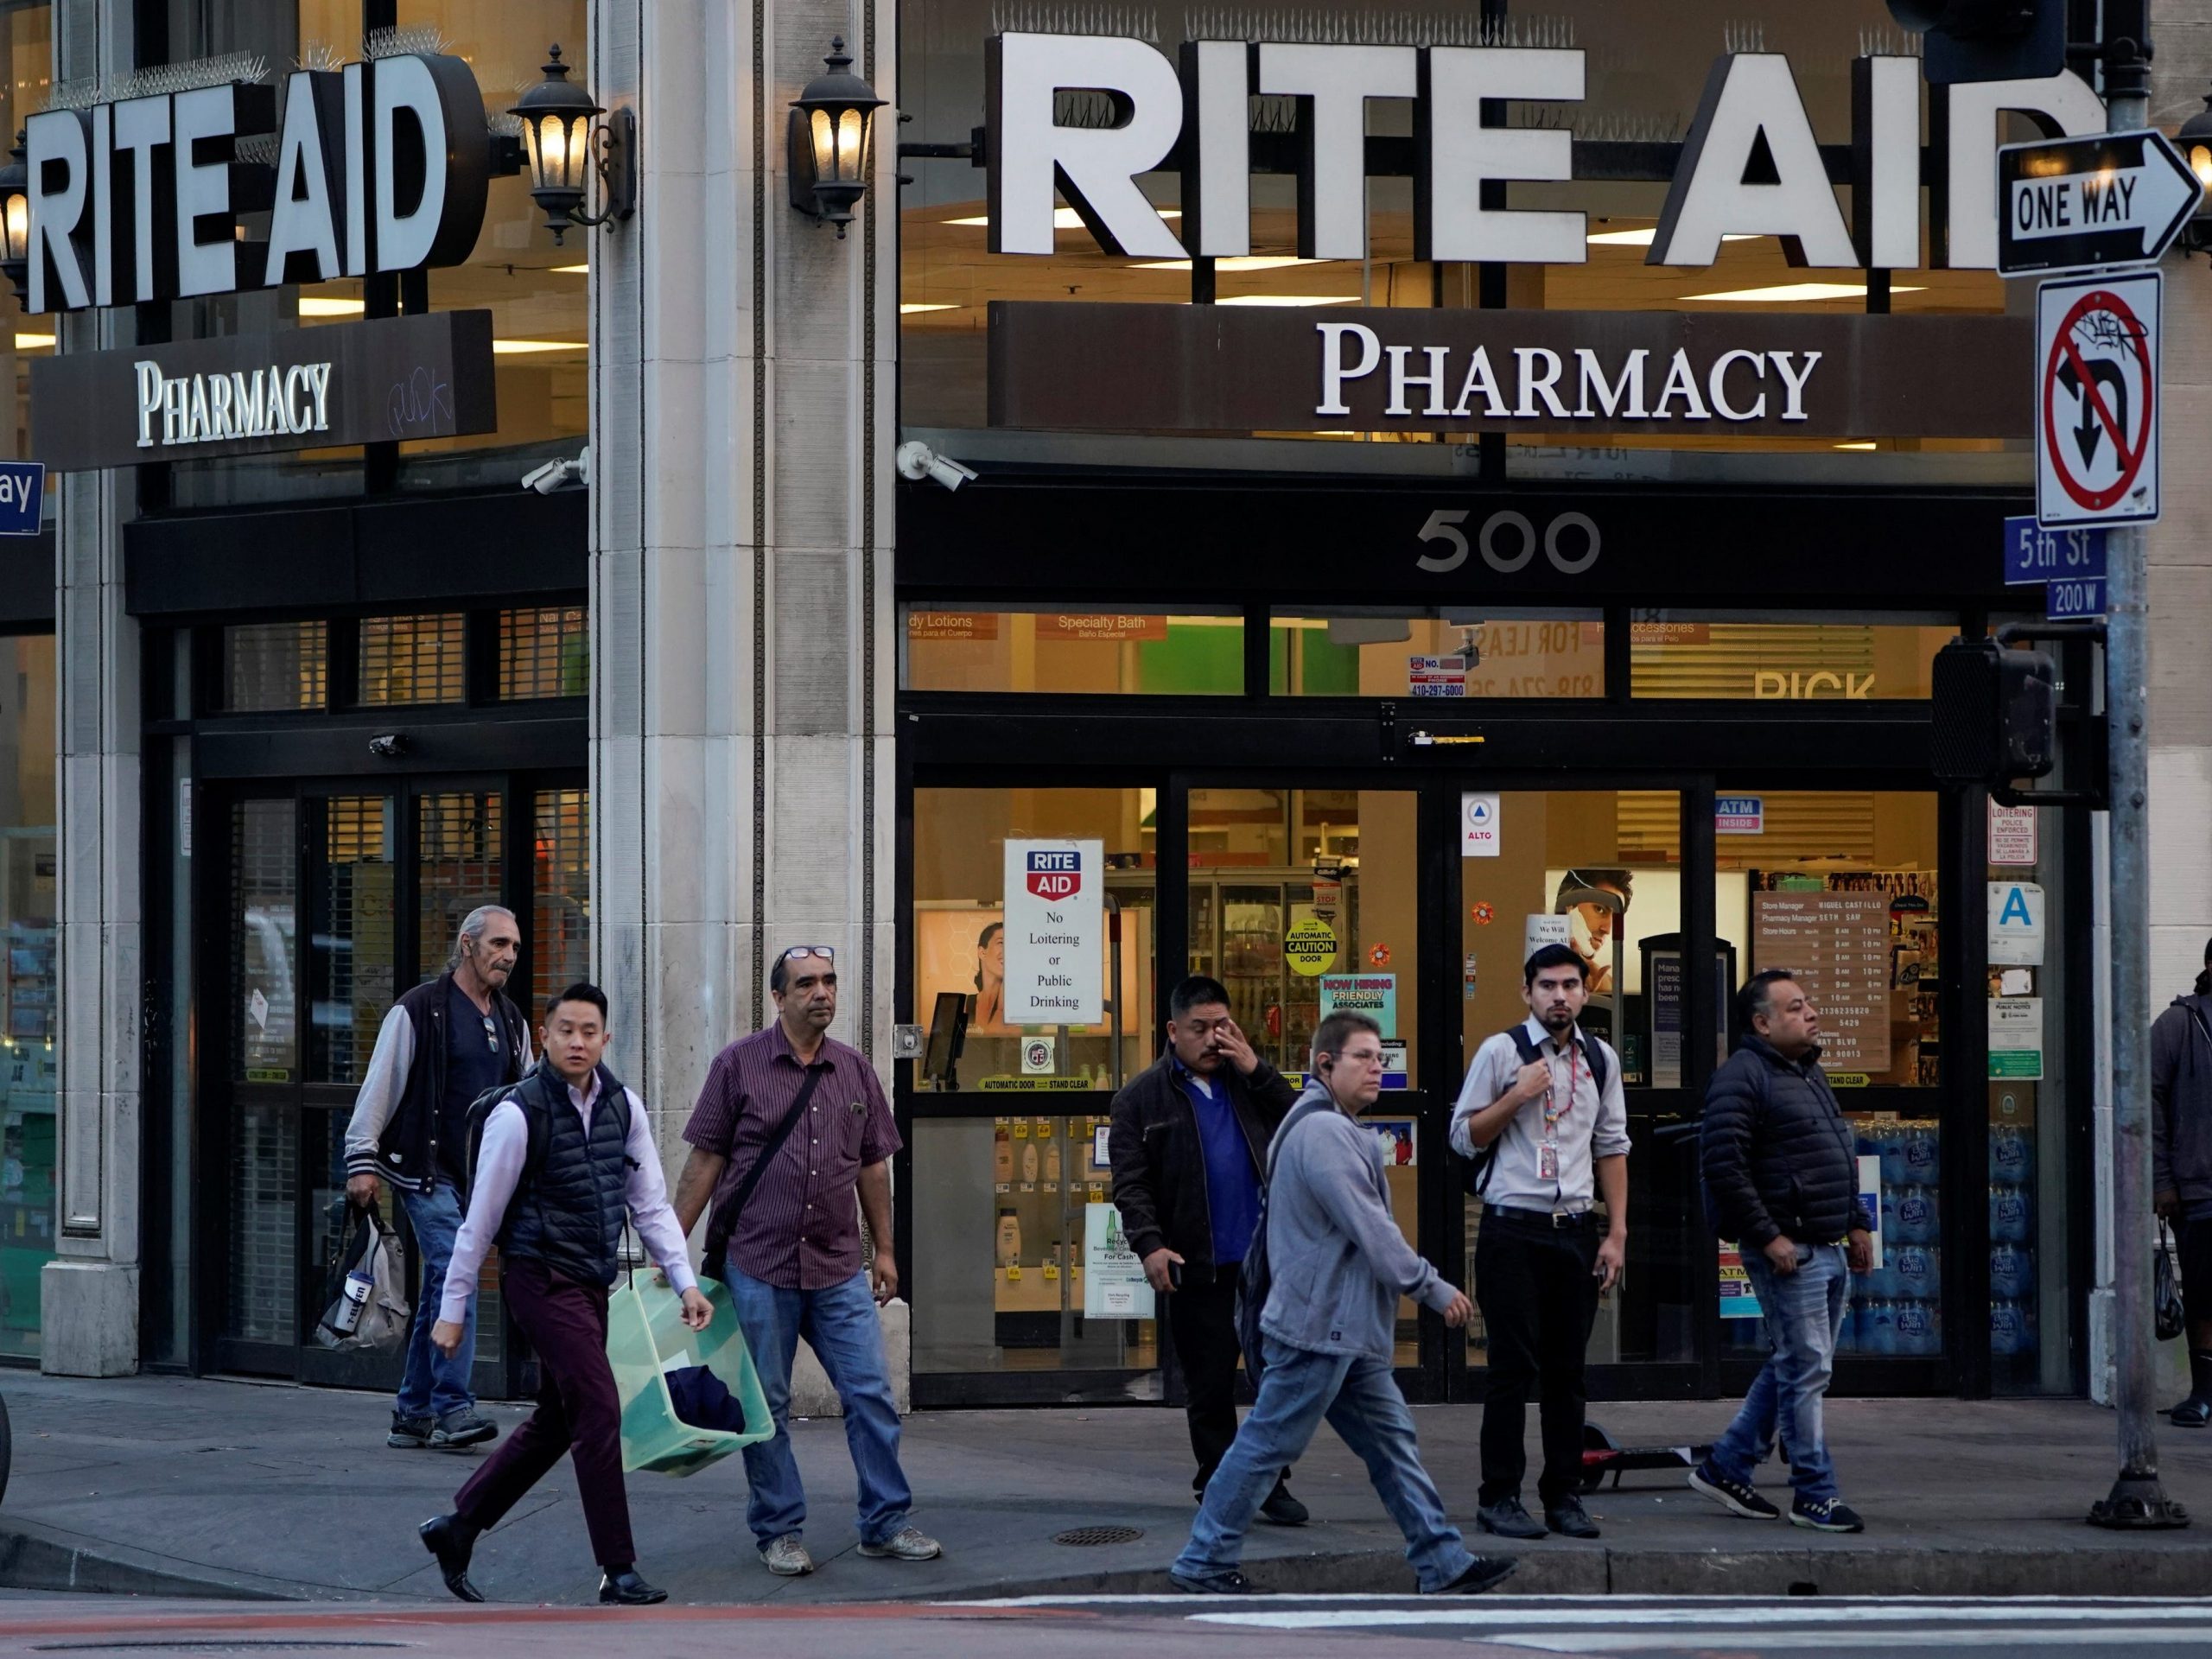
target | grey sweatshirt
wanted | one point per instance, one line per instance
(2181, 1104)
(1338, 1262)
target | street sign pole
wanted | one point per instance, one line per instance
(2137, 1499)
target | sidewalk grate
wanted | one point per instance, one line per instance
(1084, 1536)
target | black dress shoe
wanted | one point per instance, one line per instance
(452, 1541)
(1569, 1519)
(629, 1590)
(1508, 1520)
(1282, 1509)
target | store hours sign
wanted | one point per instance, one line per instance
(1055, 936)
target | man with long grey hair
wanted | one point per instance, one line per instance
(444, 1044)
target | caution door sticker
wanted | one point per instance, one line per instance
(2096, 400)
(1310, 949)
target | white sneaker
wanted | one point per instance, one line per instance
(907, 1544)
(786, 1557)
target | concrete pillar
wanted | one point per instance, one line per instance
(742, 427)
(89, 1294)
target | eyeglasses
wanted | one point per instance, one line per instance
(800, 950)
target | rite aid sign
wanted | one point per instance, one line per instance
(1194, 113)
(381, 167)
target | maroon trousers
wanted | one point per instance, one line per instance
(578, 1412)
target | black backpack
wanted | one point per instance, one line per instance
(531, 1095)
(1474, 1173)
(1257, 1278)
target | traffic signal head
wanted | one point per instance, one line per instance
(1996, 713)
(1987, 39)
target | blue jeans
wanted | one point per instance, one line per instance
(1804, 1314)
(434, 1385)
(841, 1325)
(1360, 1399)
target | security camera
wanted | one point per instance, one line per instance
(556, 475)
(917, 460)
(388, 747)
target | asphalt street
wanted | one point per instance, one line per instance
(1160, 1627)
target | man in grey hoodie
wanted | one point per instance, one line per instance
(1337, 1265)
(2181, 1170)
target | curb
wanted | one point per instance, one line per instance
(33, 1557)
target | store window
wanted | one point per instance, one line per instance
(1003, 1192)
(460, 865)
(1839, 888)
(1738, 657)
(29, 907)
(412, 659)
(1042, 648)
(1385, 651)
(1601, 872)
(544, 652)
(271, 666)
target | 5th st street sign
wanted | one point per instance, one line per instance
(2083, 204)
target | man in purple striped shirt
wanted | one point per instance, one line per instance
(806, 1112)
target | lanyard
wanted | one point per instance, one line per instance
(1552, 1111)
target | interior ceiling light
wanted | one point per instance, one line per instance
(34, 342)
(907, 309)
(1868, 445)
(318, 305)
(518, 347)
(1640, 239)
(569, 271)
(1289, 299)
(1788, 293)
(1232, 262)
(1064, 218)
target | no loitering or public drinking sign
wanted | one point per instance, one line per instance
(2096, 400)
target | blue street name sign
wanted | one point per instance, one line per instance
(2033, 554)
(2072, 596)
(22, 484)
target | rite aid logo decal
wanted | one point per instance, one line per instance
(1055, 875)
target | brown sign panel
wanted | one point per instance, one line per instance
(369, 381)
(1064, 366)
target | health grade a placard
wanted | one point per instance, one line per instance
(1055, 936)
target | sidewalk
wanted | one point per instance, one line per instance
(161, 1486)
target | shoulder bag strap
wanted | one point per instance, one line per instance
(723, 1223)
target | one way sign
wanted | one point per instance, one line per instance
(2082, 204)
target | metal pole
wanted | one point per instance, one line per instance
(2137, 1499)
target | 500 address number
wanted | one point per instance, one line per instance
(1509, 540)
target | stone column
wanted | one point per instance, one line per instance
(741, 429)
(89, 1294)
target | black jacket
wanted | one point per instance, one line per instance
(2180, 1102)
(570, 1203)
(394, 1131)
(1160, 1163)
(1779, 1159)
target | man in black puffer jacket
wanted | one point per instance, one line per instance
(1782, 1180)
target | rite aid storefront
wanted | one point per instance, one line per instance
(1437, 479)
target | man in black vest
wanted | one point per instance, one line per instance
(443, 1044)
(563, 1159)
(1186, 1142)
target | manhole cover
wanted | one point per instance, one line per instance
(1081, 1536)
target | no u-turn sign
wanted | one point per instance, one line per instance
(2096, 400)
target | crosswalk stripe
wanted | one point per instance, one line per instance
(1796, 1614)
(1879, 1641)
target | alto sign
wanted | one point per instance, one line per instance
(380, 166)
(1750, 165)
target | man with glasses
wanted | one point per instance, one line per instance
(792, 1140)
(445, 1043)
(1188, 1138)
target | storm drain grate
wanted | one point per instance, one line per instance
(1082, 1537)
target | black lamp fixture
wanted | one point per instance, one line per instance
(2196, 140)
(15, 221)
(831, 141)
(562, 144)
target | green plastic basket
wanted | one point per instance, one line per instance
(646, 1339)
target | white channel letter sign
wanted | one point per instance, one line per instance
(1750, 166)
(380, 166)
(217, 407)
(1055, 941)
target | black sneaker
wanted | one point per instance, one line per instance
(1736, 1497)
(1569, 1519)
(1824, 1515)
(1282, 1509)
(1484, 1572)
(461, 1429)
(1508, 1519)
(410, 1433)
(1231, 1583)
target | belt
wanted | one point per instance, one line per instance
(1556, 1220)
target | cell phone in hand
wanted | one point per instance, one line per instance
(1175, 1276)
